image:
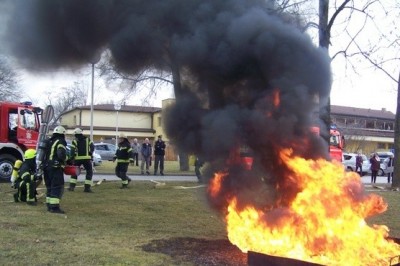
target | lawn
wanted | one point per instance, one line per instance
(142, 225)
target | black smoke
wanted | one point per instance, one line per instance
(245, 75)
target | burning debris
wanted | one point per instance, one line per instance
(245, 78)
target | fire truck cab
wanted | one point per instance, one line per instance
(336, 144)
(19, 131)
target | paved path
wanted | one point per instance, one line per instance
(380, 180)
(109, 177)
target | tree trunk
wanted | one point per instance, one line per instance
(176, 79)
(396, 173)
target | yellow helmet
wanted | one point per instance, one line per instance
(78, 131)
(30, 154)
(59, 130)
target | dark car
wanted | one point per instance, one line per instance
(106, 150)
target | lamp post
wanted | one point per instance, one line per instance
(93, 61)
(117, 107)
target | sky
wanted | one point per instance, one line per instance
(369, 88)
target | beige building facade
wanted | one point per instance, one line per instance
(365, 130)
(108, 123)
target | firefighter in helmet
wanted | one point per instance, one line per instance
(56, 158)
(26, 179)
(123, 156)
(82, 149)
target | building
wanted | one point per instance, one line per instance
(109, 122)
(365, 130)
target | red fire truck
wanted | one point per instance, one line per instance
(336, 142)
(19, 131)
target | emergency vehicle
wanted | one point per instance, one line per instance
(19, 131)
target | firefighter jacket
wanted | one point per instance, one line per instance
(82, 148)
(27, 170)
(57, 153)
(124, 152)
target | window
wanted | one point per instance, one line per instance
(370, 124)
(381, 145)
(100, 147)
(159, 121)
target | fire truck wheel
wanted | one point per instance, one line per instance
(6, 167)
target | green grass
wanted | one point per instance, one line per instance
(170, 168)
(108, 227)
(142, 225)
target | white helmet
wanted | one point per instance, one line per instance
(78, 131)
(122, 136)
(59, 130)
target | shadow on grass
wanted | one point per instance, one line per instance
(198, 251)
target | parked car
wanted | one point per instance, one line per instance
(106, 150)
(97, 160)
(384, 158)
(349, 162)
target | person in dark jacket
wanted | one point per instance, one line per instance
(159, 153)
(82, 149)
(123, 156)
(390, 164)
(375, 166)
(145, 153)
(26, 182)
(56, 158)
(359, 162)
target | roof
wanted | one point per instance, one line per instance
(124, 108)
(361, 112)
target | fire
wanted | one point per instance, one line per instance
(325, 223)
(276, 97)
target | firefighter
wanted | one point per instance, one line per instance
(26, 179)
(123, 156)
(82, 149)
(56, 158)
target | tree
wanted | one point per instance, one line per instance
(9, 90)
(66, 99)
(146, 83)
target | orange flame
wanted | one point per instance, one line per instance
(276, 98)
(323, 224)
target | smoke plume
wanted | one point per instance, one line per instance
(245, 77)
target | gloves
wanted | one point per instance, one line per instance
(114, 158)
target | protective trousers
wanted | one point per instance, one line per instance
(120, 171)
(88, 165)
(54, 179)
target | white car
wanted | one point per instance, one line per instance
(349, 162)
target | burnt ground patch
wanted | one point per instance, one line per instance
(198, 251)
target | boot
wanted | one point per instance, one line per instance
(124, 186)
(16, 197)
(56, 209)
(71, 186)
(87, 189)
